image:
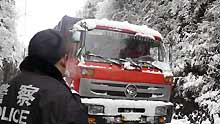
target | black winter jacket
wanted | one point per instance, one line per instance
(39, 95)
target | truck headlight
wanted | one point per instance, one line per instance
(95, 109)
(87, 72)
(161, 110)
(168, 79)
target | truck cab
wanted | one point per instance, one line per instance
(121, 72)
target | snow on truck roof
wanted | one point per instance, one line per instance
(139, 30)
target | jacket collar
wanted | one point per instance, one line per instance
(38, 65)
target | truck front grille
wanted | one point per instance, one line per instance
(128, 110)
(115, 89)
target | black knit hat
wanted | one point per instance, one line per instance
(49, 45)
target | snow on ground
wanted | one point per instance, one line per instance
(180, 121)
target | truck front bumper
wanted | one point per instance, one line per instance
(122, 111)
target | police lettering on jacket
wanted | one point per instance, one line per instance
(24, 98)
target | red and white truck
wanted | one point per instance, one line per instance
(120, 70)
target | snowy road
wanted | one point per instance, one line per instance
(181, 121)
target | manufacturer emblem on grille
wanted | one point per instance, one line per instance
(131, 90)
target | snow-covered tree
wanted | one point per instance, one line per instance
(9, 47)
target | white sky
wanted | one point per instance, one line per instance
(42, 14)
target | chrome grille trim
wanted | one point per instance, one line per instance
(115, 89)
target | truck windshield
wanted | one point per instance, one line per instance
(114, 44)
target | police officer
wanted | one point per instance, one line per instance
(39, 95)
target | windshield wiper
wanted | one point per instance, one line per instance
(103, 58)
(149, 64)
(128, 60)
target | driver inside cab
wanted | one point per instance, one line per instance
(134, 49)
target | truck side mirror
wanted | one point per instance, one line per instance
(170, 53)
(75, 36)
(169, 48)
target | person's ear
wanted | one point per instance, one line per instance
(63, 61)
